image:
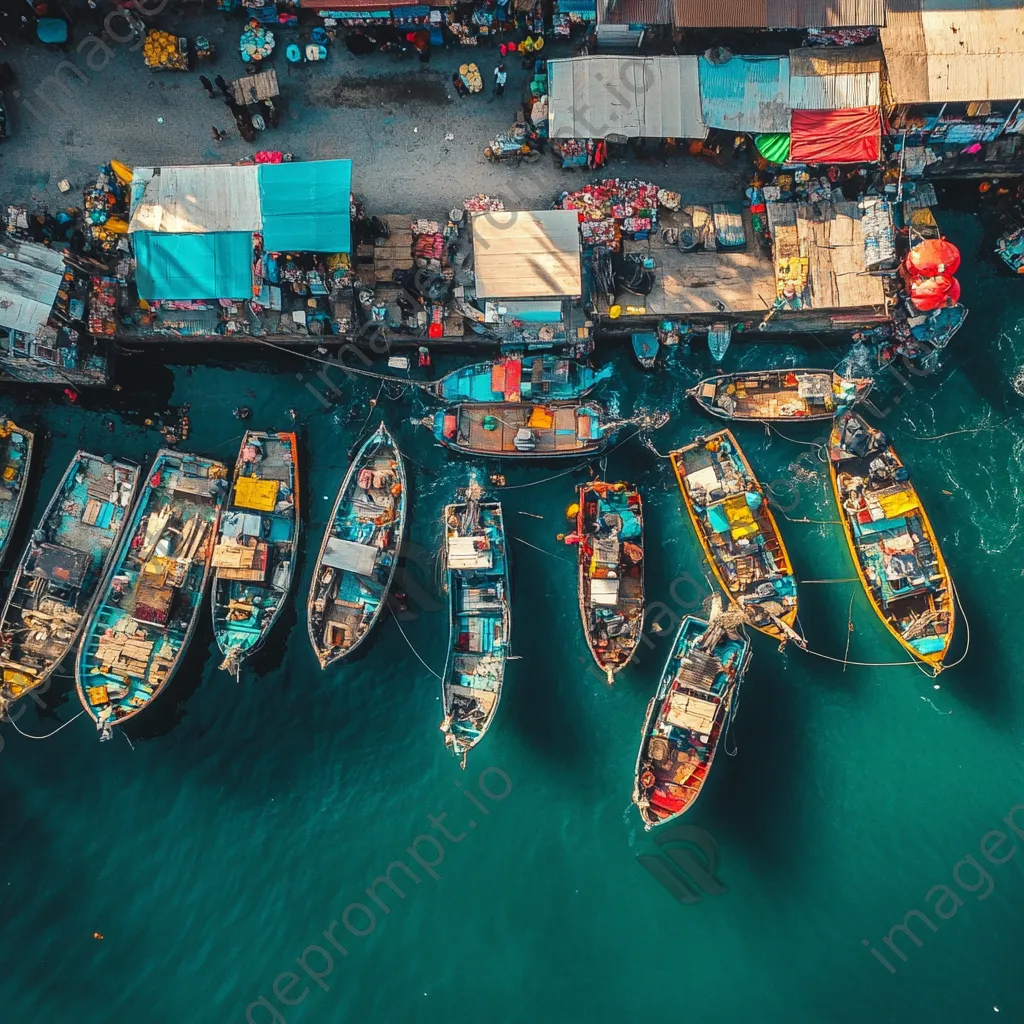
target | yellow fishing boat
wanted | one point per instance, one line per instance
(739, 534)
(891, 539)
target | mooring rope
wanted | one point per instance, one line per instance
(29, 736)
(543, 551)
(414, 651)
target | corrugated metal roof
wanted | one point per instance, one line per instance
(937, 55)
(834, 92)
(810, 61)
(30, 276)
(198, 200)
(746, 94)
(637, 12)
(826, 13)
(305, 205)
(720, 13)
(779, 13)
(638, 97)
(524, 255)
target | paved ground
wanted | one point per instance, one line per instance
(391, 118)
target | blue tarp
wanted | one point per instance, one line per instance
(745, 94)
(210, 266)
(584, 8)
(306, 206)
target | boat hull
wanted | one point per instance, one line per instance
(350, 585)
(757, 523)
(696, 699)
(766, 396)
(15, 466)
(527, 431)
(152, 595)
(480, 624)
(254, 567)
(610, 572)
(556, 378)
(894, 609)
(57, 582)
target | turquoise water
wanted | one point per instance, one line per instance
(244, 819)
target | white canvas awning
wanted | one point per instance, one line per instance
(350, 556)
(638, 97)
(463, 554)
(604, 592)
(523, 255)
(30, 276)
(198, 200)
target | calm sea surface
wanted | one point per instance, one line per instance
(214, 850)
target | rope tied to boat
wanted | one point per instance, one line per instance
(543, 551)
(29, 736)
(414, 651)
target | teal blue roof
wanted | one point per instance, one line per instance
(197, 266)
(306, 206)
(745, 94)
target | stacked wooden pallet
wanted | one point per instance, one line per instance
(395, 252)
(123, 654)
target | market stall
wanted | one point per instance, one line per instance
(163, 51)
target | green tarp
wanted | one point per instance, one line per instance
(774, 147)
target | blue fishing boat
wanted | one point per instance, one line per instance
(360, 549)
(938, 326)
(476, 574)
(549, 430)
(151, 596)
(254, 559)
(513, 379)
(719, 337)
(696, 700)
(15, 462)
(645, 348)
(57, 581)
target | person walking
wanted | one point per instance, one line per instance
(223, 86)
(500, 77)
(460, 86)
(217, 134)
(208, 86)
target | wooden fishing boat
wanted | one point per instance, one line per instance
(610, 554)
(892, 542)
(768, 395)
(57, 581)
(15, 463)
(359, 553)
(695, 702)
(476, 575)
(645, 348)
(151, 596)
(258, 538)
(511, 379)
(738, 532)
(551, 430)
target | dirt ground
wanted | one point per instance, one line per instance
(391, 118)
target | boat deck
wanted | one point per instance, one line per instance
(554, 429)
(770, 395)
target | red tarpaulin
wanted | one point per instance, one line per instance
(933, 256)
(929, 293)
(835, 136)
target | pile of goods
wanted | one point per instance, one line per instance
(471, 77)
(164, 51)
(102, 306)
(612, 208)
(106, 206)
(482, 204)
(428, 244)
(256, 43)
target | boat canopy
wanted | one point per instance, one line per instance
(469, 553)
(350, 556)
(61, 565)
